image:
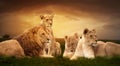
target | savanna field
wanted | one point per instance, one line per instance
(60, 61)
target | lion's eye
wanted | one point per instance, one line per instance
(47, 19)
(43, 33)
(91, 36)
(95, 35)
(50, 19)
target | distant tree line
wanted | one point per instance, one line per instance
(5, 37)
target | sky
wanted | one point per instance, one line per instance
(70, 16)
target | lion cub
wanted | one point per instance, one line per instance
(70, 45)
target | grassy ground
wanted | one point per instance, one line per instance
(60, 61)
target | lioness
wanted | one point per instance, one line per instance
(108, 49)
(84, 47)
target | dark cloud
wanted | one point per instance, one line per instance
(84, 5)
(113, 26)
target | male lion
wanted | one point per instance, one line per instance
(33, 41)
(84, 47)
(70, 45)
(30, 43)
(109, 49)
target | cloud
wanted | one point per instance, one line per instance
(101, 14)
(85, 5)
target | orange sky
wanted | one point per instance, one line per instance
(70, 17)
(64, 24)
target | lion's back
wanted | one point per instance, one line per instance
(11, 48)
(112, 49)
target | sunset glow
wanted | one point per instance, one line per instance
(63, 24)
(69, 18)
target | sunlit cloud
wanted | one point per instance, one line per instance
(69, 17)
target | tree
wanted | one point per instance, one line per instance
(6, 36)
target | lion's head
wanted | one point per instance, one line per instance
(71, 42)
(89, 36)
(43, 36)
(70, 45)
(33, 40)
(47, 20)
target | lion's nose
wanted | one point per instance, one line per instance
(71, 50)
(50, 23)
(48, 39)
(96, 40)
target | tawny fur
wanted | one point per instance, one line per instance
(11, 48)
(32, 41)
(84, 47)
(70, 45)
(47, 20)
(108, 49)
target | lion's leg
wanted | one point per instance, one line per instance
(78, 53)
(74, 57)
(88, 52)
(49, 50)
(65, 54)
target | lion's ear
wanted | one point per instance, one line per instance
(66, 37)
(76, 35)
(94, 30)
(41, 17)
(85, 31)
(52, 16)
(80, 36)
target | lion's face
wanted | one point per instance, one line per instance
(47, 20)
(90, 36)
(43, 36)
(71, 42)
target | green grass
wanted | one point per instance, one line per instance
(60, 61)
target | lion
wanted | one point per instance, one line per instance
(47, 20)
(11, 48)
(84, 46)
(70, 45)
(33, 41)
(109, 49)
(56, 49)
(47, 48)
(99, 49)
(30, 43)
